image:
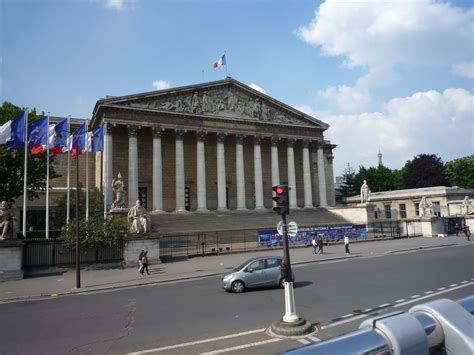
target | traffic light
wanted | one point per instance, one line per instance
(281, 199)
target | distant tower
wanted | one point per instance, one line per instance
(380, 159)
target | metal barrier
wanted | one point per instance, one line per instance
(425, 328)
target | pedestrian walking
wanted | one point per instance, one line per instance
(140, 256)
(346, 244)
(145, 263)
(320, 244)
(314, 244)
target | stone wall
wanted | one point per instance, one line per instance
(134, 244)
(11, 260)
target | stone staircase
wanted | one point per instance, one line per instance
(180, 223)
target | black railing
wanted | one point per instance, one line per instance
(41, 253)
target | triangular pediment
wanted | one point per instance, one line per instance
(224, 99)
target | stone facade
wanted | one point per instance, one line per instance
(207, 134)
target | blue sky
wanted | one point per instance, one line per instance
(394, 76)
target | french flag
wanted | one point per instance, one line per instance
(58, 137)
(220, 62)
(77, 141)
(12, 133)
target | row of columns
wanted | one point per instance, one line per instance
(221, 173)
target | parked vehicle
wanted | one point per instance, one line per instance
(261, 271)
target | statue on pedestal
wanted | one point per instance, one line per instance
(466, 206)
(119, 192)
(6, 221)
(425, 208)
(139, 219)
(364, 193)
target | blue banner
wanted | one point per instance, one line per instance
(270, 237)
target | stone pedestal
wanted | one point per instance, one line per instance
(431, 226)
(135, 243)
(11, 259)
(470, 222)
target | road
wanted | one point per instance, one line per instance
(192, 317)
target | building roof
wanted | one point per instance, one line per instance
(415, 193)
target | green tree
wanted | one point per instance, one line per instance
(94, 232)
(96, 206)
(379, 178)
(348, 182)
(12, 164)
(460, 172)
(425, 170)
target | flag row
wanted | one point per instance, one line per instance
(41, 135)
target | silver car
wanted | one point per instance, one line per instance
(256, 272)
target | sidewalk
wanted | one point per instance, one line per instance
(101, 279)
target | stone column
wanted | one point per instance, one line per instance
(257, 164)
(132, 165)
(179, 164)
(323, 202)
(108, 167)
(240, 172)
(221, 180)
(291, 173)
(330, 171)
(157, 171)
(201, 172)
(275, 165)
(308, 193)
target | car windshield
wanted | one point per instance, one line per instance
(241, 266)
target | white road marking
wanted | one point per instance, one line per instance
(313, 338)
(415, 296)
(304, 341)
(441, 288)
(453, 285)
(197, 342)
(243, 346)
(433, 294)
(333, 261)
(347, 315)
(367, 310)
(464, 282)
(428, 292)
(400, 300)
(384, 305)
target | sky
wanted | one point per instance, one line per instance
(389, 76)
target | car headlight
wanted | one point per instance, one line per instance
(226, 278)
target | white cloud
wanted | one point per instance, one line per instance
(425, 122)
(380, 35)
(114, 4)
(258, 88)
(347, 99)
(161, 84)
(465, 69)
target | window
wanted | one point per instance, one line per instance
(388, 212)
(273, 262)
(257, 265)
(403, 210)
(417, 209)
(436, 209)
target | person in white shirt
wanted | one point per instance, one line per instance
(346, 243)
(314, 244)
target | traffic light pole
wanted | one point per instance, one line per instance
(290, 311)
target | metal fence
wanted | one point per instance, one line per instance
(385, 229)
(41, 253)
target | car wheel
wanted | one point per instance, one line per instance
(282, 283)
(238, 286)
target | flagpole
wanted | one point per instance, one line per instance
(68, 209)
(47, 178)
(225, 64)
(104, 167)
(87, 169)
(25, 118)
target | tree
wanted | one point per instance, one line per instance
(425, 170)
(347, 187)
(12, 164)
(460, 172)
(96, 206)
(379, 178)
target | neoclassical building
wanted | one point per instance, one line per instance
(214, 146)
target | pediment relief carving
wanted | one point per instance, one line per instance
(223, 103)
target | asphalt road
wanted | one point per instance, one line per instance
(197, 316)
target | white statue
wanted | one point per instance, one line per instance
(6, 221)
(119, 190)
(466, 206)
(364, 192)
(425, 208)
(139, 219)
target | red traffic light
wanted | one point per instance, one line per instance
(279, 190)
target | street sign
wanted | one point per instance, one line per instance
(292, 228)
